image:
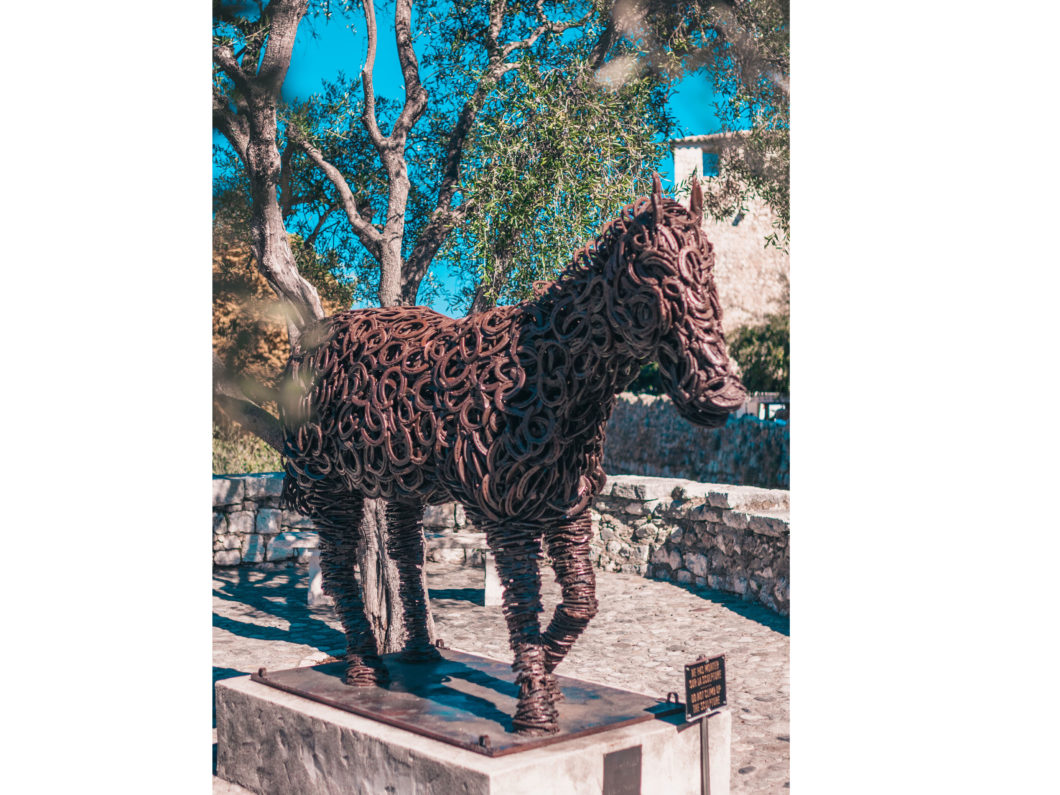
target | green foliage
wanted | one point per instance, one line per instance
(648, 381)
(555, 150)
(559, 143)
(744, 48)
(763, 354)
(325, 272)
(552, 157)
(235, 452)
(751, 70)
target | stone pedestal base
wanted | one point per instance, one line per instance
(271, 741)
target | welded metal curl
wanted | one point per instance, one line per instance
(503, 411)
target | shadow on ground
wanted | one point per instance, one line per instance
(276, 593)
(753, 611)
(474, 595)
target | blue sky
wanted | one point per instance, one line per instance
(323, 48)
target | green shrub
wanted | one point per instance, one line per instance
(763, 353)
(235, 452)
(648, 382)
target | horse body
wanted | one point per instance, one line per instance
(503, 411)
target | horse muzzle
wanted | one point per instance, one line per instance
(712, 405)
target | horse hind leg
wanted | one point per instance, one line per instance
(517, 550)
(404, 541)
(568, 547)
(339, 527)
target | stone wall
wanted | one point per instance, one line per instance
(248, 524)
(646, 436)
(733, 538)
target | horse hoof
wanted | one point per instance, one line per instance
(535, 729)
(421, 654)
(364, 676)
(536, 713)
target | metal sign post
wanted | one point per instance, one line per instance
(704, 750)
(704, 696)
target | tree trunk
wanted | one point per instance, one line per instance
(251, 129)
(379, 582)
(379, 579)
(390, 274)
(379, 575)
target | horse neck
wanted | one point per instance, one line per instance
(611, 364)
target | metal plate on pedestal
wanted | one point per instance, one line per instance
(468, 701)
(622, 772)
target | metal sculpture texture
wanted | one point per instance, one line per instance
(503, 411)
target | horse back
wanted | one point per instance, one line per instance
(365, 419)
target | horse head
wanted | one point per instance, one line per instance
(664, 305)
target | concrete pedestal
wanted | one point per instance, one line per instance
(271, 741)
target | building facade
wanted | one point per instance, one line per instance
(752, 277)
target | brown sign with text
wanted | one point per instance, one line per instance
(704, 686)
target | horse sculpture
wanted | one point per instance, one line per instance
(504, 412)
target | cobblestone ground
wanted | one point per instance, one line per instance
(641, 639)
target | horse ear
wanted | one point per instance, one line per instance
(695, 203)
(656, 198)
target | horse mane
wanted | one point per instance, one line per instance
(643, 215)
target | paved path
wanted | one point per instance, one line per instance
(641, 639)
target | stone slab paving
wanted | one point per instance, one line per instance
(641, 639)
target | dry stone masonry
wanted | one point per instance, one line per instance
(646, 436)
(250, 527)
(732, 538)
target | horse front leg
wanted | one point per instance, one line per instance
(404, 542)
(568, 547)
(517, 550)
(339, 527)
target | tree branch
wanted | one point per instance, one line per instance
(324, 216)
(432, 236)
(286, 199)
(234, 128)
(493, 32)
(254, 41)
(546, 26)
(415, 95)
(368, 116)
(366, 233)
(603, 44)
(272, 251)
(444, 217)
(252, 418)
(226, 61)
(283, 16)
